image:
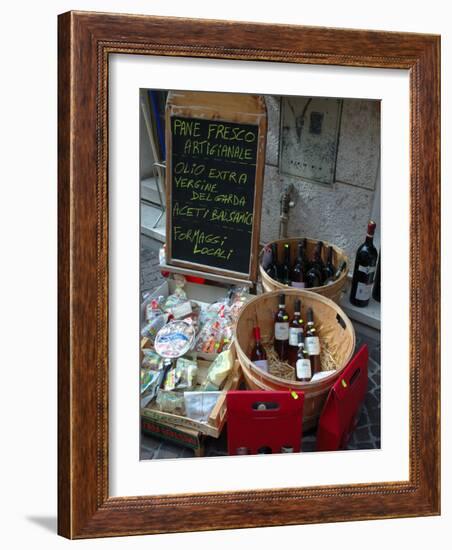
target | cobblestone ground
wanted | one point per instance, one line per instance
(365, 436)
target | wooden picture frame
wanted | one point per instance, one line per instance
(85, 508)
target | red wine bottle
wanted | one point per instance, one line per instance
(281, 340)
(364, 271)
(285, 267)
(314, 275)
(258, 355)
(298, 270)
(328, 269)
(336, 275)
(295, 328)
(272, 269)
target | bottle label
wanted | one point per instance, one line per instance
(293, 335)
(303, 368)
(182, 310)
(281, 331)
(363, 291)
(298, 285)
(267, 257)
(261, 365)
(312, 344)
(369, 271)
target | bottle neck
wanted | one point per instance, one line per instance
(369, 239)
(257, 335)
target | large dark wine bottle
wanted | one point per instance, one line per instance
(298, 270)
(364, 272)
(376, 288)
(285, 266)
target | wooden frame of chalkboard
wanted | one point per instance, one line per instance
(86, 508)
(215, 145)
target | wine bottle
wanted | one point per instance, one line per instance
(295, 328)
(337, 274)
(285, 267)
(258, 355)
(328, 269)
(303, 368)
(305, 256)
(272, 270)
(364, 271)
(281, 340)
(314, 275)
(298, 270)
(376, 288)
(312, 342)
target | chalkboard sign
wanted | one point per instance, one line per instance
(212, 175)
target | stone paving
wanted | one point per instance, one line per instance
(365, 436)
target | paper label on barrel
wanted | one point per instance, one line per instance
(363, 291)
(298, 285)
(281, 331)
(312, 345)
(293, 335)
(303, 368)
(262, 365)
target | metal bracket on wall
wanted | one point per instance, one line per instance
(309, 137)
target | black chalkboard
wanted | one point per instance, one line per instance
(213, 177)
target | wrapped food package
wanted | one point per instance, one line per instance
(218, 371)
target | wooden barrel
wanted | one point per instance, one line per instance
(332, 291)
(333, 326)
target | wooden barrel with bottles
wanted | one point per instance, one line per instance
(337, 344)
(333, 290)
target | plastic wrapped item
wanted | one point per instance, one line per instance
(151, 329)
(177, 304)
(151, 359)
(212, 334)
(237, 299)
(154, 308)
(218, 371)
(148, 377)
(175, 339)
(170, 401)
(186, 373)
(199, 404)
(171, 380)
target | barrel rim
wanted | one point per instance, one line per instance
(316, 289)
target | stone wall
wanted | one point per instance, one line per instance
(336, 213)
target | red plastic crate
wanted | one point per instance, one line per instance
(339, 414)
(258, 419)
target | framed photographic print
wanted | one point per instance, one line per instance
(230, 340)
